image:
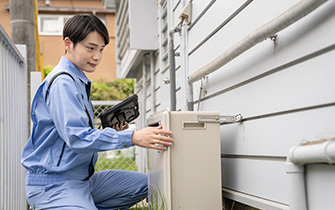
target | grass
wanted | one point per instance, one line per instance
(156, 202)
(232, 206)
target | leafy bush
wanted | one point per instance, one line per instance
(117, 90)
(102, 90)
(47, 70)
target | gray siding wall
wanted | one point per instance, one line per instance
(284, 88)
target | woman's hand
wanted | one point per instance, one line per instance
(153, 137)
(122, 127)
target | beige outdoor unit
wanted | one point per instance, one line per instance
(187, 176)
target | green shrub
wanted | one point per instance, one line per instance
(117, 90)
(47, 70)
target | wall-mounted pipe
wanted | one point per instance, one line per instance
(305, 154)
(144, 85)
(296, 183)
(314, 153)
(287, 18)
(184, 66)
(152, 81)
(172, 67)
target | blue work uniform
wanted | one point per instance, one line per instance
(62, 150)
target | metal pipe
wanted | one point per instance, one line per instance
(144, 86)
(184, 66)
(189, 90)
(172, 67)
(284, 20)
(152, 81)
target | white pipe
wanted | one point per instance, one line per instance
(144, 110)
(190, 106)
(152, 81)
(184, 66)
(298, 156)
(144, 84)
(172, 66)
(292, 15)
(314, 153)
(184, 61)
(297, 189)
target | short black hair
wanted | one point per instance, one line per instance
(79, 26)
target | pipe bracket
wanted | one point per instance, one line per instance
(220, 119)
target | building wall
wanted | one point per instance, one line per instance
(283, 87)
(52, 46)
(4, 16)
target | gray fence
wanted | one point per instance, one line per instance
(123, 159)
(13, 123)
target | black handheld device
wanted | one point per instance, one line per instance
(125, 111)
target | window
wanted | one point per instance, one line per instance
(53, 24)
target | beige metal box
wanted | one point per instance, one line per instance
(187, 176)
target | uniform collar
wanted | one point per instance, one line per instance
(73, 70)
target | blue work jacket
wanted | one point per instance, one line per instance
(62, 144)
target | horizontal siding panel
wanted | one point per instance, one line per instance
(198, 8)
(176, 4)
(163, 93)
(242, 25)
(320, 186)
(292, 43)
(211, 19)
(175, 16)
(302, 85)
(265, 179)
(274, 136)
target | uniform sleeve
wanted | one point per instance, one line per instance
(72, 123)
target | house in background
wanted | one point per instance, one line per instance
(52, 15)
(279, 77)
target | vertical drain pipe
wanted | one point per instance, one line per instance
(296, 181)
(152, 81)
(190, 106)
(144, 84)
(184, 53)
(144, 111)
(183, 67)
(172, 67)
(314, 152)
